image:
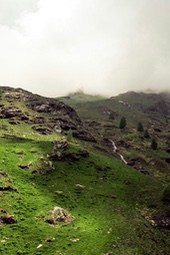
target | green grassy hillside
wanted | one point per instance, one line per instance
(135, 106)
(110, 211)
(114, 206)
(102, 118)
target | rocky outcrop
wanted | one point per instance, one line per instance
(124, 144)
(54, 107)
(83, 135)
(38, 120)
(102, 168)
(61, 152)
(25, 166)
(162, 220)
(139, 164)
(43, 130)
(59, 215)
(45, 166)
(7, 188)
(39, 104)
(9, 112)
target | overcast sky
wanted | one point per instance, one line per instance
(53, 47)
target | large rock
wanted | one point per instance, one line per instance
(6, 218)
(61, 152)
(45, 167)
(124, 144)
(59, 215)
(57, 109)
(83, 135)
(162, 220)
(13, 112)
(139, 164)
(43, 130)
(60, 145)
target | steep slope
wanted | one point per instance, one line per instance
(34, 109)
(113, 205)
(116, 209)
(134, 105)
(102, 118)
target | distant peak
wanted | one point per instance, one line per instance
(78, 92)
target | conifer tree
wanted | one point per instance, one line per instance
(154, 144)
(146, 134)
(122, 123)
(140, 127)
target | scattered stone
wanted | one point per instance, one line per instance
(102, 168)
(38, 120)
(74, 240)
(124, 144)
(59, 215)
(61, 152)
(20, 152)
(61, 145)
(83, 153)
(13, 112)
(25, 166)
(162, 220)
(138, 163)
(13, 122)
(80, 186)
(6, 218)
(45, 167)
(43, 130)
(59, 192)
(157, 130)
(2, 210)
(49, 240)
(3, 174)
(83, 135)
(7, 188)
(39, 246)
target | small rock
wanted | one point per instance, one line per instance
(39, 246)
(162, 220)
(102, 168)
(7, 219)
(74, 240)
(59, 215)
(80, 186)
(59, 192)
(7, 188)
(25, 166)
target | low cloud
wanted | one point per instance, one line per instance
(54, 47)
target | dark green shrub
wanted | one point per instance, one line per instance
(146, 134)
(140, 127)
(122, 123)
(154, 144)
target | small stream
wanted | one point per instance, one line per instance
(115, 149)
